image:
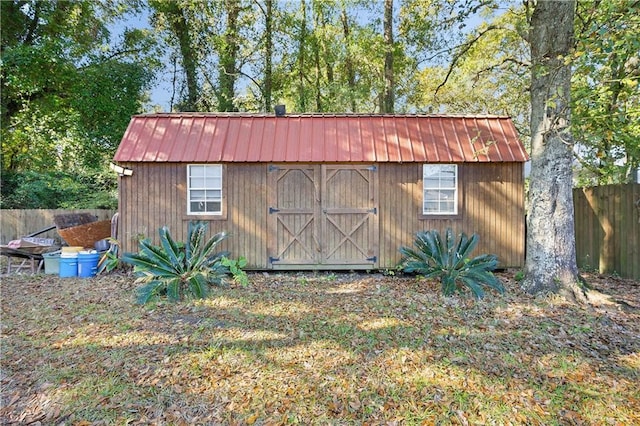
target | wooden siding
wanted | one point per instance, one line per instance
(491, 197)
(18, 223)
(491, 204)
(607, 223)
(162, 200)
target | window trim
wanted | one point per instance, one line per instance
(207, 214)
(456, 196)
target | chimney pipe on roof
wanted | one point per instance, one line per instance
(281, 110)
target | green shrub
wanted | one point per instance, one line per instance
(236, 267)
(110, 260)
(179, 270)
(59, 190)
(448, 260)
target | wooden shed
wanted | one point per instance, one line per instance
(323, 191)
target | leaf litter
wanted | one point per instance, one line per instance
(320, 348)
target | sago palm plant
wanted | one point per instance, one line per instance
(177, 270)
(448, 259)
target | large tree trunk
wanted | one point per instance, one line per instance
(302, 40)
(176, 16)
(268, 72)
(228, 59)
(348, 61)
(551, 251)
(389, 84)
(315, 45)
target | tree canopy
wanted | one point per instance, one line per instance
(68, 92)
(73, 72)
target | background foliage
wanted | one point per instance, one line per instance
(74, 72)
(68, 92)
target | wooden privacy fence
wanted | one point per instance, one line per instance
(607, 222)
(18, 223)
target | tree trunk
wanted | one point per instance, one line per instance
(389, 96)
(348, 62)
(551, 251)
(228, 58)
(301, 104)
(315, 45)
(302, 98)
(180, 28)
(268, 71)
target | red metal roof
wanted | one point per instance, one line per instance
(240, 137)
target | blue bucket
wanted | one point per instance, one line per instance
(88, 264)
(68, 267)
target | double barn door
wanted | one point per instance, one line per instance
(323, 216)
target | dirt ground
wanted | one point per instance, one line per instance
(341, 348)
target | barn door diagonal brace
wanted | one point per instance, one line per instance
(295, 236)
(347, 236)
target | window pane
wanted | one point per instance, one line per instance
(431, 196)
(214, 171)
(197, 182)
(196, 171)
(214, 206)
(431, 182)
(447, 194)
(431, 206)
(448, 182)
(198, 195)
(197, 206)
(214, 182)
(447, 206)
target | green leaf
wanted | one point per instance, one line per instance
(448, 259)
(177, 271)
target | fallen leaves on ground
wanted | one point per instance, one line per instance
(320, 348)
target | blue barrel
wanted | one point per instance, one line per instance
(88, 264)
(68, 266)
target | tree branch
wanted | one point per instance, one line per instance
(504, 61)
(464, 49)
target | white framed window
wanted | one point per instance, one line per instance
(440, 189)
(204, 189)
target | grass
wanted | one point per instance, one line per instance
(315, 348)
